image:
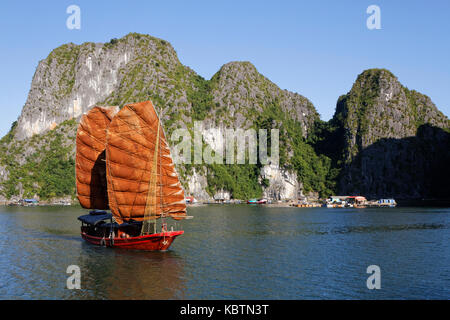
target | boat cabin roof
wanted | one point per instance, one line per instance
(94, 219)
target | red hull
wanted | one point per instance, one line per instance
(153, 242)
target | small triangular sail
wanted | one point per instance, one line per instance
(142, 181)
(90, 157)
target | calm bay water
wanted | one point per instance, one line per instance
(235, 252)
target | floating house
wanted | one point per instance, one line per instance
(387, 202)
(29, 202)
(356, 200)
(338, 199)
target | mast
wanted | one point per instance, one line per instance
(160, 175)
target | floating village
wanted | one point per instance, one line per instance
(331, 202)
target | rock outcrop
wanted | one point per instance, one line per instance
(74, 78)
(383, 141)
(282, 183)
(394, 141)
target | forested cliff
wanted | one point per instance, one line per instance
(384, 139)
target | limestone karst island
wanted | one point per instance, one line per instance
(384, 140)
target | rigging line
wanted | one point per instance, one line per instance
(131, 107)
(134, 180)
(140, 181)
(124, 135)
(137, 168)
(140, 118)
(131, 124)
(163, 214)
(126, 138)
(157, 149)
(167, 205)
(127, 152)
(160, 177)
(160, 193)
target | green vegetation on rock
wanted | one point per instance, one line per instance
(327, 157)
(48, 169)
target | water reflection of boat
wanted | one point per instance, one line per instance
(123, 163)
(156, 275)
(130, 274)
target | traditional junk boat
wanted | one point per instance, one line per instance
(123, 163)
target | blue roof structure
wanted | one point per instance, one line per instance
(94, 219)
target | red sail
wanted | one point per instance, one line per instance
(90, 157)
(142, 181)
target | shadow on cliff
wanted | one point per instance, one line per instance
(412, 168)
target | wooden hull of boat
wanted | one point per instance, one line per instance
(153, 242)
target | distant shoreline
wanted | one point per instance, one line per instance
(444, 203)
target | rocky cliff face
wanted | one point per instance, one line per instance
(74, 78)
(283, 184)
(392, 139)
(69, 81)
(240, 93)
(383, 141)
(378, 106)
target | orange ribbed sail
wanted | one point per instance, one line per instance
(90, 164)
(142, 181)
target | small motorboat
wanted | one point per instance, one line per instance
(257, 201)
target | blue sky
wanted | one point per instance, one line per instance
(315, 48)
